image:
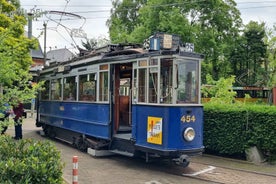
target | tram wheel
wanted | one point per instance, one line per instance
(185, 164)
(183, 161)
(81, 144)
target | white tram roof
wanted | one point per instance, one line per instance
(118, 52)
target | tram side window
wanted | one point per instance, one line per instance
(69, 88)
(103, 83)
(153, 80)
(45, 94)
(87, 87)
(153, 85)
(56, 89)
(187, 81)
(166, 80)
(142, 84)
(134, 92)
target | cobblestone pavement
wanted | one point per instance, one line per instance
(117, 169)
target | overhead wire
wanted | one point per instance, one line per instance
(263, 4)
(152, 6)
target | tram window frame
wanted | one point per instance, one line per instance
(135, 83)
(166, 80)
(88, 87)
(153, 80)
(165, 72)
(45, 94)
(57, 96)
(142, 81)
(187, 87)
(124, 89)
(103, 83)
(70, 88)
(145, 89)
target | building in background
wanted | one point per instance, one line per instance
(58, 56)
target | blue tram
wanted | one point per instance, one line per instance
(127, 100)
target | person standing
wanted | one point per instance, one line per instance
(18, 116)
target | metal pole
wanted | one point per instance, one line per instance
(45, 28)
(30, 25)
(75, 170)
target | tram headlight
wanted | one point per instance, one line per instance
(189, 134)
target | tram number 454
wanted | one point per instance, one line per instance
(188, 119)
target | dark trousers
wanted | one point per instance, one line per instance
(18, 129)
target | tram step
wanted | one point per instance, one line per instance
(122, 146)
(99, 153)
(125, 153)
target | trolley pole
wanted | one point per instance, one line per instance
(75, 170)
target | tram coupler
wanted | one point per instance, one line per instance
(183, 161)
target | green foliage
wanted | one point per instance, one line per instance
(15, 57)
(220, 91)
(124, 18)
(210, 25)
(249, 56)
(230, 129)
(93, 43)
(29, 161)
(215, 27)
(271, 53)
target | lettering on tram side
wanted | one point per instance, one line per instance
(154, 130)
(188, 119)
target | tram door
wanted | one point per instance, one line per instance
(122, 98)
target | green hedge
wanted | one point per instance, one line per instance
(230, 128)
(29, 161)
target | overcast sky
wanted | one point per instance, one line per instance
(90, 17)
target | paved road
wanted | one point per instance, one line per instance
(118, 169)
(114, 169)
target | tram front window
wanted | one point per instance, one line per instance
(166, 80)
(153, 80)
(187, 81)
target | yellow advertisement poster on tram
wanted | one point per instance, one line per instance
(154, 130)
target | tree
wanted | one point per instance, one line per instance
(256, 51)
(93, 43)
(221, 91)
(248, 59)
(90, 44)
(124, 18)
(271, 55)
(211, 25)
(218, 23)
(15, 58)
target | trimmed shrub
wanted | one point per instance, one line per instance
(231, 128)
(29, 161)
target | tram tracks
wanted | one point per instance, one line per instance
(207, 169)
(216, 173)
